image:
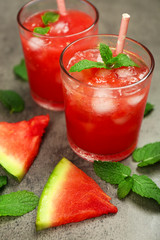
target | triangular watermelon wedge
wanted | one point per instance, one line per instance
(70, 196)
(19, 144)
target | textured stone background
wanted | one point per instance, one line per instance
(138, 218)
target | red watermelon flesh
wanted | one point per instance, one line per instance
(70, 196)
(19, 144)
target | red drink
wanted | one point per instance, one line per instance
(42, 52)
(104, 108)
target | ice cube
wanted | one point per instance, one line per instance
(103, 105)
(35, 43)
(135, 99)
(61, 27)
(124, 73)
(78, 55)
(143, 74)
(133, 79)
(120, 120)
(99, 58)
(103, 92)
(102, 73)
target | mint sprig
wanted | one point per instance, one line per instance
(147, 155)
(17, 203)
(109, 62)
(3, 181)
(141, 185)
(148, 109)
(21, 71)
(11, 100)
(50, 17)
(41, 30)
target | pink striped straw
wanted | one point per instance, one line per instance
(61, 7)
(122, 33)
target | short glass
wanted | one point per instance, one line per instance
(42, 52)
(103, 123)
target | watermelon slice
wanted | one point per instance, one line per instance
(70, 196)
(19, 144)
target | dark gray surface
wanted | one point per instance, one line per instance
(137, 218)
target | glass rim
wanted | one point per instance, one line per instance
(105, 87)
(60, 36)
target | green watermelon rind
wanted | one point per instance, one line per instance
(54, 184)
(11, 165)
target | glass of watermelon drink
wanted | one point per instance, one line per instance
(42, 52)
(104, 108)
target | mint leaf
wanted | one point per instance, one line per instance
(121, 60)
(145, 187)
(106, 53)
(50, 17)
(17, 203)
(41, 30)
(86, 64)
(11, 100)
(3, 181)
(20, 70)
(111, 172)
(147, 155)
(125, 187)
(148, 109)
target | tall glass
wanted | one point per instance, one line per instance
(103, 123)
(42, 52)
